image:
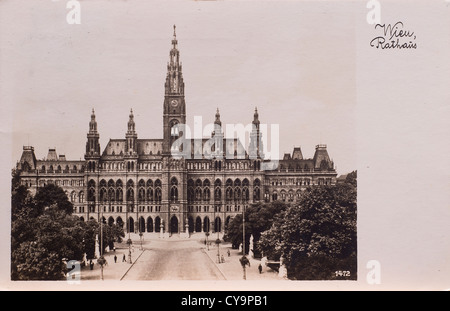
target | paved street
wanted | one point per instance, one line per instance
(176, 258)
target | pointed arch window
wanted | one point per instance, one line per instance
(158, 192)
(174, 190)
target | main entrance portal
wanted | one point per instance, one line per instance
(174, 224)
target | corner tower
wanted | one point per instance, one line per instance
(92, 154)
(174, 104)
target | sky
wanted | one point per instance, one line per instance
(291, 64)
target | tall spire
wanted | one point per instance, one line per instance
(174, 110)
(174, 80)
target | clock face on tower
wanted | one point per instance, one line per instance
(174, 103)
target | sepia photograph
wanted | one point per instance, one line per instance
(216, 141)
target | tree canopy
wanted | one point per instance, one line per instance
(45, 234)
(258, 218)
(317, 236)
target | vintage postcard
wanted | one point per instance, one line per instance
(225, 145)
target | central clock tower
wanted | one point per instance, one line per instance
(174, 104)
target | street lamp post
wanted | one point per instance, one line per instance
(101, 261)
(101, 242)
(216, 225)
(206, 241)
(243, 241)
(129, 242)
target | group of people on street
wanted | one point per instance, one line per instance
(124, 258)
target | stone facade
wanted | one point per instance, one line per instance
(141, 185)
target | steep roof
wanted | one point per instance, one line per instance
(52, 156)
(28, 159)
(116, 147)
(321, 155)
(297, 154)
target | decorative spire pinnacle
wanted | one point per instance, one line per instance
(174, 40)
(131, 124)
(256, 116)
(217, 121)
(93, 123)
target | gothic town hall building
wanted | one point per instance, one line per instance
(140, 185)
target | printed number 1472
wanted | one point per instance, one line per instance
(342, 273)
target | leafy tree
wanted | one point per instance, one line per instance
(32, 261)
(111, 233)
(91, 229)
(52, 195)
(320, 229)
(261, 217)
(43, 234)
(21, 200)
(352, 178)
(234, 232)
(114, 233)
(258, 218)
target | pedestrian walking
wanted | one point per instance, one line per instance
(222, 259)
(115, 259)
(124, 258)
(260, 268)
(228, 252)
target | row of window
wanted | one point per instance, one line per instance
(151, 209)
(157, 166)
(324, 165)
(216, 209)
(299, 182)
(58, 182)
(219, 165)
(156, 224)
(44, 182)
(234, 190)
(118, 209)
(61, 169)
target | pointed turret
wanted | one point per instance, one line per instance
(93, 123)
(92, 154)
(131, 135)
(255, 147)
(218, 136)
(131, 124)
(93, 145)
